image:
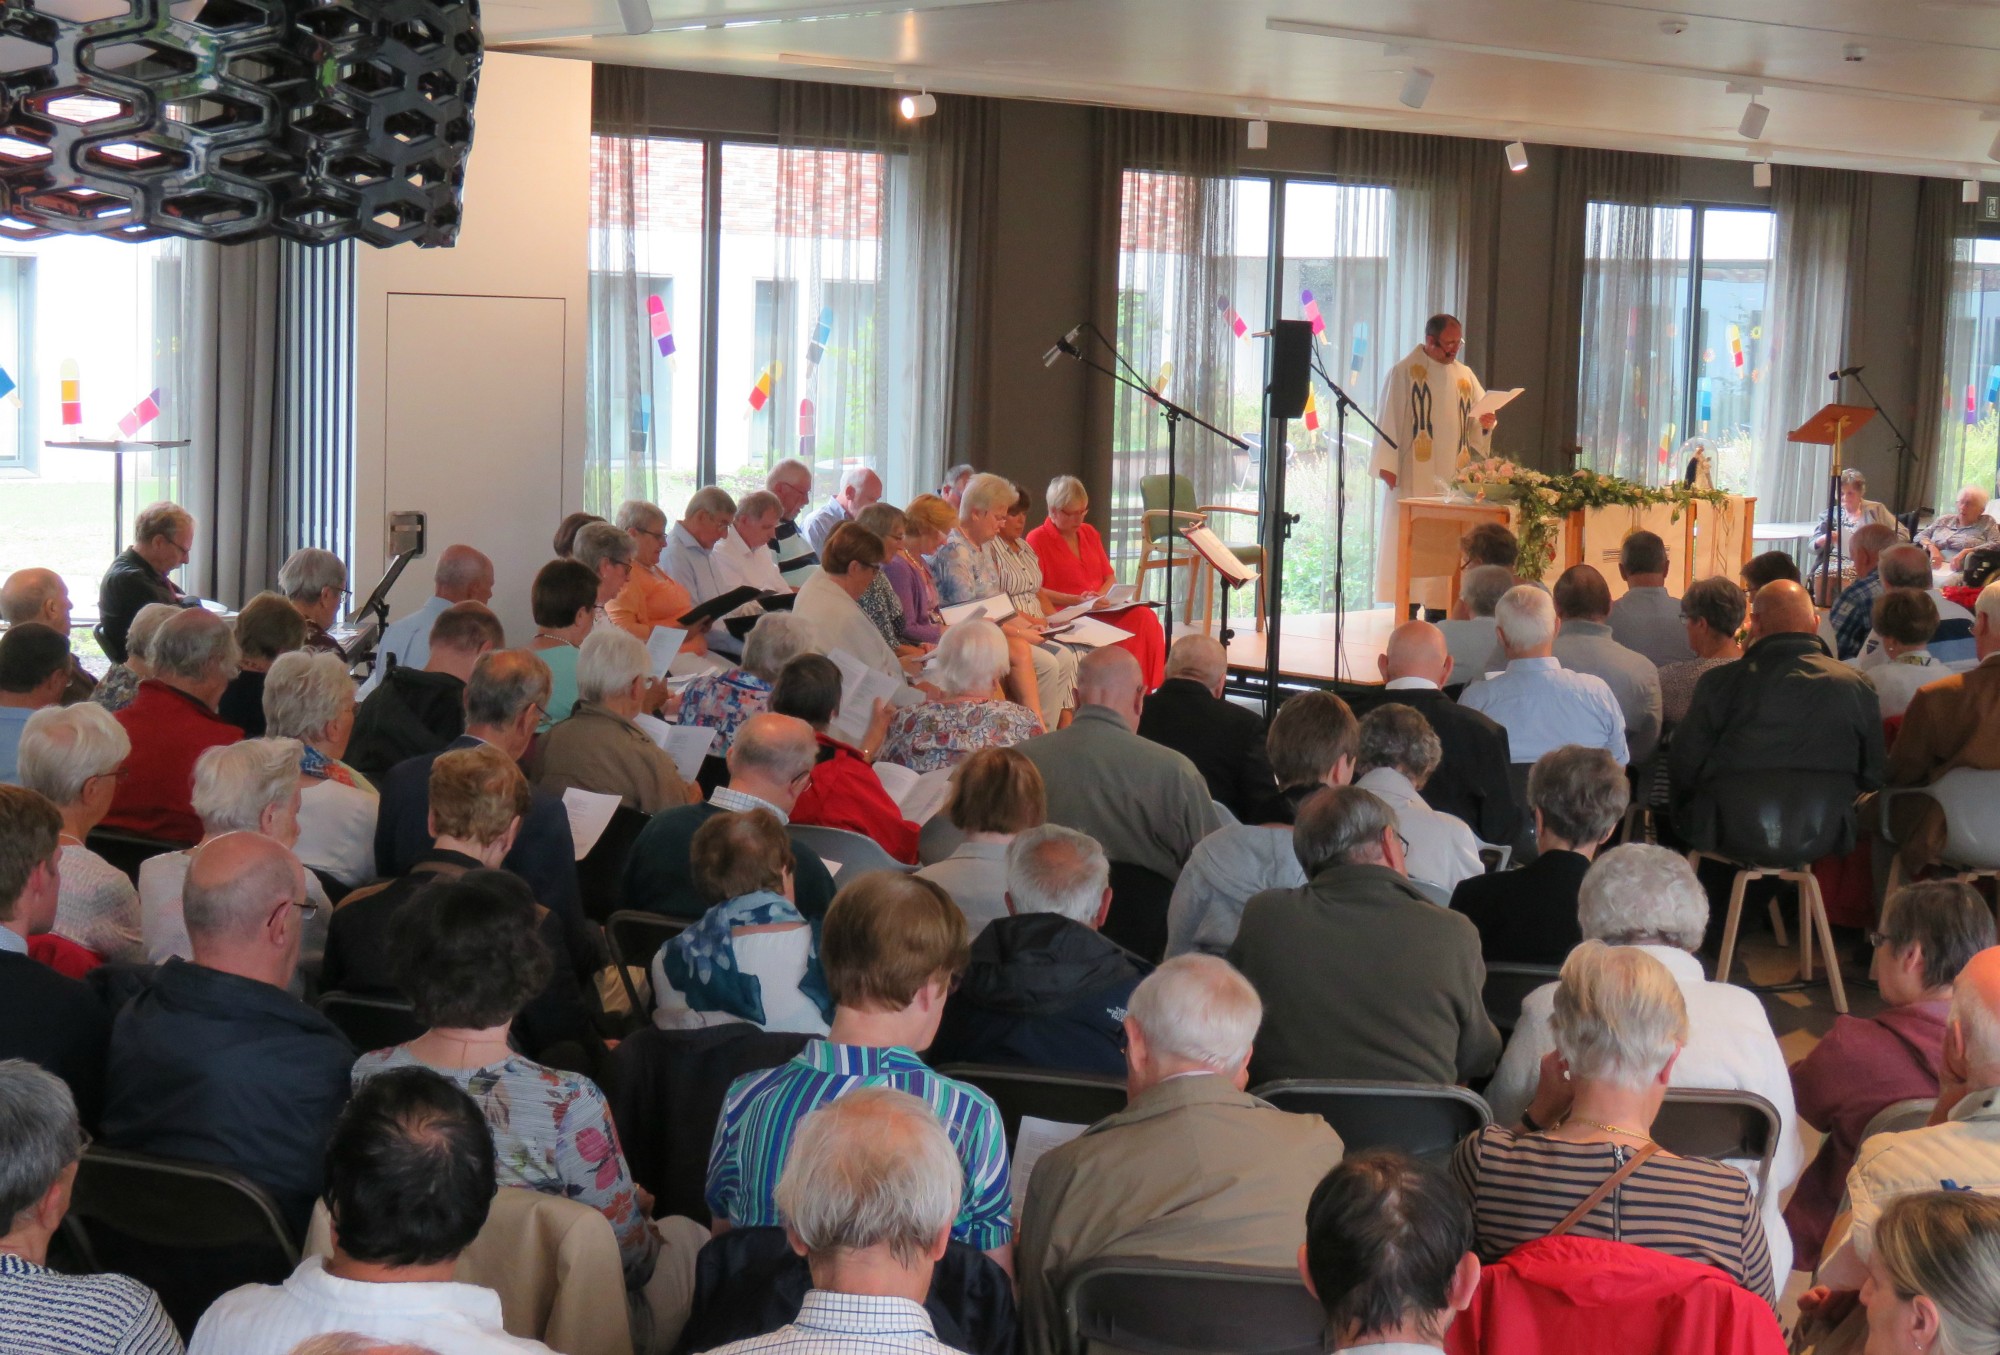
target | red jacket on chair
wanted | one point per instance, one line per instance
(1587, 1296)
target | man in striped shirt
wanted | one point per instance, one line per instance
(891, 947)
(40, 1141)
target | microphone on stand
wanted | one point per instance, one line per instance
(1844, 371)
(1066, 344)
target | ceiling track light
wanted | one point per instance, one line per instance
(1517, 156)
(914, 106)
(1754, 118)
(1760, 174)
(1416, 87)
(1258, 133)
(636, 15)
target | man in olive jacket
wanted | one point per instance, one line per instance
(1786, 706)
(1361, 975)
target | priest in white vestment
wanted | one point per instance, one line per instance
(1426, 409)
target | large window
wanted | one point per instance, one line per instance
(1674, 344)
(766, 268)
(1969, 418)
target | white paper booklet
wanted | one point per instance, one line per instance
(996, 609)
(687, 745)
(661, 647)
(1088, 630)
(589, 815)
(860, 688)
(1036, 1137)
(919, 797)
(1494, 401)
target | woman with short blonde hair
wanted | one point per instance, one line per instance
(1075, 565)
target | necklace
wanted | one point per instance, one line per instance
(1611, 1128)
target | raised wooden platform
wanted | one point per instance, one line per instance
(1306, 650)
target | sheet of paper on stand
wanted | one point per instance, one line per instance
(1215, 550)
(918, 796)
(1036, 1137)
(687, 745)
(1088, 630)
(860, 688)
(1494, 401)
(996, 609)
(662, 646)
(589, 815)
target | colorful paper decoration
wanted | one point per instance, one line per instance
(1992, 386)
(1736, 347)
(1971, 408)
(808, 427)
(1229, 315)
(1707, 403)
(761, 392)
(822, 333)
(663, 330)
(72, 394)
(1310, 309)
(1312, 411)
(1166, 375)
(141, 414)
(1360, 352)
(7, 383)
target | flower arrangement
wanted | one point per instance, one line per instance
(1542, 501)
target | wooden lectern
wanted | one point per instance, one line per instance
(1831, 427)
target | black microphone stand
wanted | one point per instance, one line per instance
(1174, 413)
(1342, 402)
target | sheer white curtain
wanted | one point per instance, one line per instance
(1958, 326)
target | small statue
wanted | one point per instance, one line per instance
(1698, 476)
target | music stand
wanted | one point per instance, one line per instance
(1830, 427)
(1232, 571)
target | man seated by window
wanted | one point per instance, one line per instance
(1193, 1169)
(409, 1180)
(891, 947)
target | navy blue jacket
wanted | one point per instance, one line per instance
(212, 1067)
(1041, 992)
(57, 1024)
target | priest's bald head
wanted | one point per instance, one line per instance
(1443, 336)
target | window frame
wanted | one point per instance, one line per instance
(27, 419)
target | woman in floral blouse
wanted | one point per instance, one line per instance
(723, 701)
(969, 664)
(882, 604)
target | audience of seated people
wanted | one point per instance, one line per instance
(71, 755)
(1646, 618)
(791, 483)
(41, 596)
(34, 672)
(162, 541)
(1076, 566)
(1904, 566)
(462, 575)
(1647, 898)
(769, 764)
(891, 947)
(1904, 621)
(406, 1137)
(1311, 743)
(1361, 975)
(315, 580)
(309, 697)
(214, 1060)
(829, 603)
(844, 791)
(1224, 741)
(857, 488)
(1584, 644)
(1845, 628)
(469, 959)
(172, 721)
(1712, 612)
(597, 747)
(1929, 931)
(926, 522)
(965, 716)
(688, 555)
(1472, 638)
(966, 570)
(564, 606)
(1193, 1169)
(743, 558)
(723, 701)
(1949, 537)
(753, 956)
(1398, 752)
(41, 1309)
(420, 708)
(1529, 916)
(1043, 989)
(268, 625)
(996, 795)
(46, 1018)
(121, 680)
(1541, 704)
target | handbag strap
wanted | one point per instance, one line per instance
(1605, 1187)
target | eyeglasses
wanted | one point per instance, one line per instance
(308, 910)
(1405, 841)
(1877, 940)
(648, 531)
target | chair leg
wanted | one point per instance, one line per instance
(1778, 924)
(1809, 888)
(1730, 924)
(1800, 879)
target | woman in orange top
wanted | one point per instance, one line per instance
(1075, 565)
(649, 598)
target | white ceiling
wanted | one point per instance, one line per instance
(1577, 72)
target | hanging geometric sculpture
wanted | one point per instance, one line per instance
(236, 119)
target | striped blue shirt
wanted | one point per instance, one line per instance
(763, 1110)
(44, 1313)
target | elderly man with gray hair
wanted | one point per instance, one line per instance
(1362, 976)
(1193, 1169)
(691, 559)
(744, 556)
(1648, 897)
(172, 722)
(1224, 741)
(162, 541)
(858, 487)
(1541, 704)
(42, 1310)
(598, 747)
(1399, 751)
(315, 581)
(462, 575)
(1043, 989)
(1473, 637)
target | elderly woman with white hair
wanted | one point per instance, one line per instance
(247, 787)
(597, 747)
(1075, 566)
(315, 580)
(967, 669)
(1619, 1025)
(966, 569)
(71, 755)
(310, 697)
(1648, 898)
(121, 683)
(723, 701)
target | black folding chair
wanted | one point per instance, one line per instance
(635, 938)
(1508, 985)
(1190, 1308)
(600, 876)
(371, 1022)
(1424, 1119)
(128, 851)
(1698, 1122)
(1138, 917)
(1045, 1093)
(190, 1231)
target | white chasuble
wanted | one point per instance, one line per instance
(1426, 408)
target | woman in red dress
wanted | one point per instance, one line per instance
(1075, 565)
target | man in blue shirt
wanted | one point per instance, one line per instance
(34, 670)
(1541, 704)
(688, 557)
(1848, 620)
(463, 575)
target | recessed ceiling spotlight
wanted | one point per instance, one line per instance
(1854, 51)
(1259, 134)
(914, 106)
(1760, 174)
(1416, 87)
(1754, 118)
(1517, 156)
(1673, 28)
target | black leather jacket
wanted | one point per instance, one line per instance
(128, 585)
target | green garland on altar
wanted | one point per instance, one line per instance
(1544, 501)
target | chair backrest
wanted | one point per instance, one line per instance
(635, 938)
(189, 1230)
(1424, 1119)
(1702, 1122)
(1897, 1116)
(1508, 985)
(1971, 803)
(128, 851)
(371, 1022)
(854, 851)
(1783, 818)
(600, 875)
(1045, 1094)
(1138, 917)
(1190, 1308)
(1436, 893)
(1153, 496)
(553, 1262)
(1495, 856)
